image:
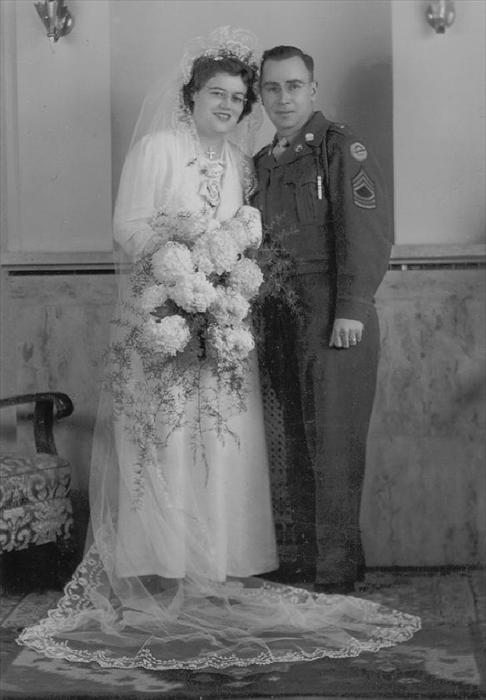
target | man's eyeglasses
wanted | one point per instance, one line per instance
(235, 98)
(293, 87)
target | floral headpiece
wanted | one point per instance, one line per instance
(223, 42)
(234, 50)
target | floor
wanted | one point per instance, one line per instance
(446, 659)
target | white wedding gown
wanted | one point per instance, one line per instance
(176, 536)
(219, 507)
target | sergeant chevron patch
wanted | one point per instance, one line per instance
(364, 195)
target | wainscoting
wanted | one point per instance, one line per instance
(425, 488)
(425, 492)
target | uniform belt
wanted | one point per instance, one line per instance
(308, 267)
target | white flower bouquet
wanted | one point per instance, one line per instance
(198, 285)
(186, 307)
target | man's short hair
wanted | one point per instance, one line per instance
(279, 53)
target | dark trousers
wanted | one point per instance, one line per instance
(327, 397)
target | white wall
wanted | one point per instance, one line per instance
(439, 125)
(56, 107)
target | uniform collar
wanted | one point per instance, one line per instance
(308, 138)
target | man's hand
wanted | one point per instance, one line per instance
(345, 333)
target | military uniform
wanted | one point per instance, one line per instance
(327, 192)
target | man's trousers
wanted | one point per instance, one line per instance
(327, 397)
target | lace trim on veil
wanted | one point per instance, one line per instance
(306, 613)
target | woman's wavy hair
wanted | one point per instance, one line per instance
(206, 67)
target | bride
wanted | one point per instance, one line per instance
(181, 518)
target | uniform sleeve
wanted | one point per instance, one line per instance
(362, 224)
(135, 204)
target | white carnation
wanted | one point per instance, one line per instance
(231, 344)
(239, 234)
(194, 293)
(229, 307)
(171, 262)
(201, 256)
(246, 278)
(153, 296)
(217, 250)
(169, 335)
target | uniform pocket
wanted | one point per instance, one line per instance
(301, 184)
(307, 201)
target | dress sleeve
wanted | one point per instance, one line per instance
(141, 177)
(362, 224)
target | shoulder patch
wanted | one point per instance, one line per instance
(358, 151)
(364, 195)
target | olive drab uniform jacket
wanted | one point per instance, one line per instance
(328, 186)
(326, 192)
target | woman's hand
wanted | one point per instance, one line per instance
(345, 333)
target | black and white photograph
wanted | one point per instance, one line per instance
(243, 349)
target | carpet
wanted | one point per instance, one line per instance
(444, 660)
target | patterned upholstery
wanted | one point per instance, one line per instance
(35, 507)
(35, 504)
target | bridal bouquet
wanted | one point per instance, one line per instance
(184, 314)
(197, 285)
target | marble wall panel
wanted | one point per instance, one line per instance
(425, 489)
(425, 493)
(58, 325)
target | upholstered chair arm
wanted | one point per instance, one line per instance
(43, 415)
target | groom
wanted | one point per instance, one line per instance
(322, 184)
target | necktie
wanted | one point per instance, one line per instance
(280, 147)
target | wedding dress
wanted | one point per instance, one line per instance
(219, 503)
(181, 518)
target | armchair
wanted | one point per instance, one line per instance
(35, 504)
